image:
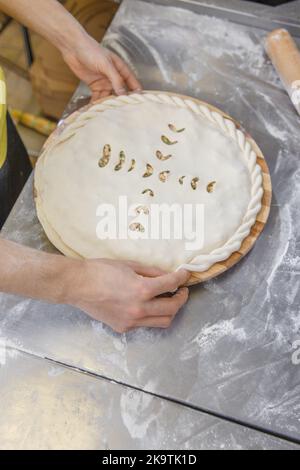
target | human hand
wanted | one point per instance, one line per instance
(102, 70)
(124, 294)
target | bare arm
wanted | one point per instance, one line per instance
(32, 273)
(95, 286)
(122, 295)
(47, 18)
(101, 69)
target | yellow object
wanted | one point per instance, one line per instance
(3, 125)
(41, 125)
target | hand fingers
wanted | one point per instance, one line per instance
(100, 88)
(97, 95)
(145, 271)
(115, 77)
(155, 322)
(167, 283)
(131, 81)
(167, 306)
(164, 310)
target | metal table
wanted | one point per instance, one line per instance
(222, 376)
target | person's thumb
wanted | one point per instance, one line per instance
(118, 83)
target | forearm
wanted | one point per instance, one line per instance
(47, 18)
(34, 274)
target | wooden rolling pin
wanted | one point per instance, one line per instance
(39, 124)
(285, 56)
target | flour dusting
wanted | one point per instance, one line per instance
(210, 334)
(203, 36)
(135, 415)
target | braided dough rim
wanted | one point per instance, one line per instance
(201, 263)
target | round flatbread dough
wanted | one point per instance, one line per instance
(148, 153)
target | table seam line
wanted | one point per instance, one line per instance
(177, 401)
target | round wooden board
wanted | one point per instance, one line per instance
(248, 243)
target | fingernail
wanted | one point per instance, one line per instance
(138, 90)
(121, 91)
(185, 294)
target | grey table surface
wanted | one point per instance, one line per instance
(229, 352)
(52, 407)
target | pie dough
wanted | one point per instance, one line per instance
(211, 163)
